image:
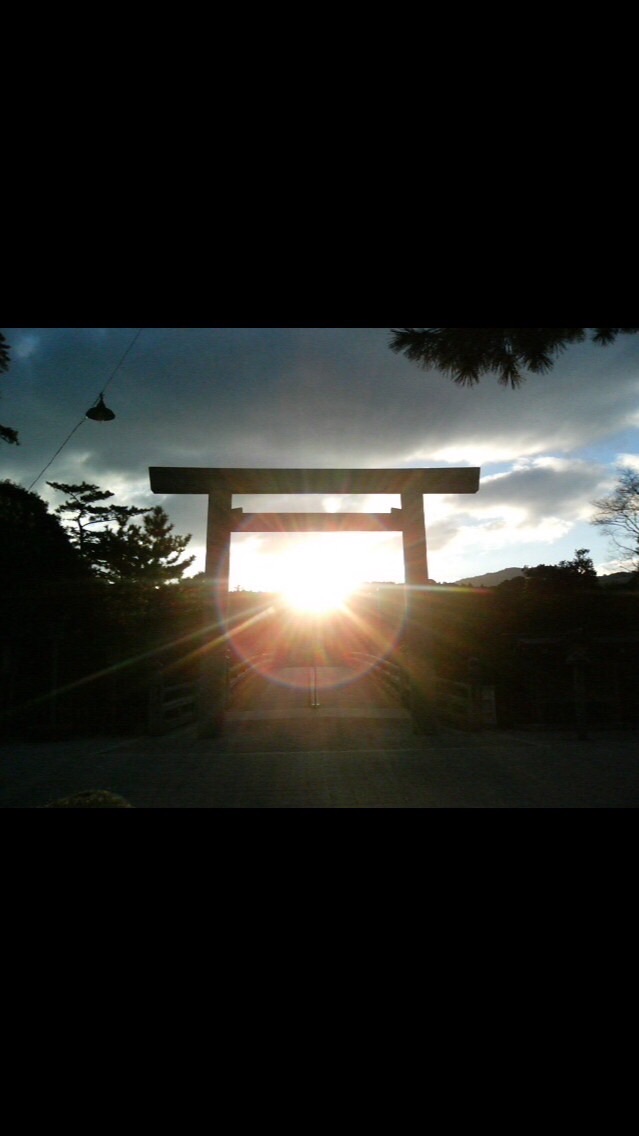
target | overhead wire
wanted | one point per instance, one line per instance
(83, 419)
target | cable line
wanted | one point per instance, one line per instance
(56, 453)
(118, 365)
(96, 400)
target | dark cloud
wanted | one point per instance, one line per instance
(542, 486)
(312, 397)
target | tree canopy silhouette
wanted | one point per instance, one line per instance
(115, 548)
(464, 354)
(148, 553)
(618, 515)
(85, 509)
(566, 574)
(6, 433)
(33, 544)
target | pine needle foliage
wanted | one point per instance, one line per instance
(465, 354)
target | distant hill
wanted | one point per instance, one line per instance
(491, 579)
(614, 578)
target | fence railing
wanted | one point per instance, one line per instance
(465, 705)
(171, 705)
(175, 704)
(388, 672)
(459, 704)
(237, 672)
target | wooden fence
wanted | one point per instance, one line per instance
(171, 705)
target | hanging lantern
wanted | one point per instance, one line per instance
(100, 412)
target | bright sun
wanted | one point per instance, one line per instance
(316, 586)
(316, 596)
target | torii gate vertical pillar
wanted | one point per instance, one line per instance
(414, 539)
(418, 639)
(212, 682)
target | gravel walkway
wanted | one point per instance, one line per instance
(328, 761)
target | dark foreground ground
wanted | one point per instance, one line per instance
(321, 761)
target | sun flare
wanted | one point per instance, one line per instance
(316, 597)
(316, 585)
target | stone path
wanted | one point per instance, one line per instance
(356, 763)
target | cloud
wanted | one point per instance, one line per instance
(25, 346)
(309, 396)
(539, 501)
(628, 461)
(568, 484)
(321, 397)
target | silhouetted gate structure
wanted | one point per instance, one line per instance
(220, 484)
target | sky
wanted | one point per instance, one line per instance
(327, 397)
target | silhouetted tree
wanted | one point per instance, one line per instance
(84, 621)
(6, 433)
(148, 554)
(581, 565)
(45, 601)
(4, 353)
(83, 511)
(567, 573)
(116, 549)
(33, 544)
(464, 354)
(618, 516)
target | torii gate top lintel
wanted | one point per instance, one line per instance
(184, 479)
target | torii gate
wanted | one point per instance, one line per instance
(411, 484)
